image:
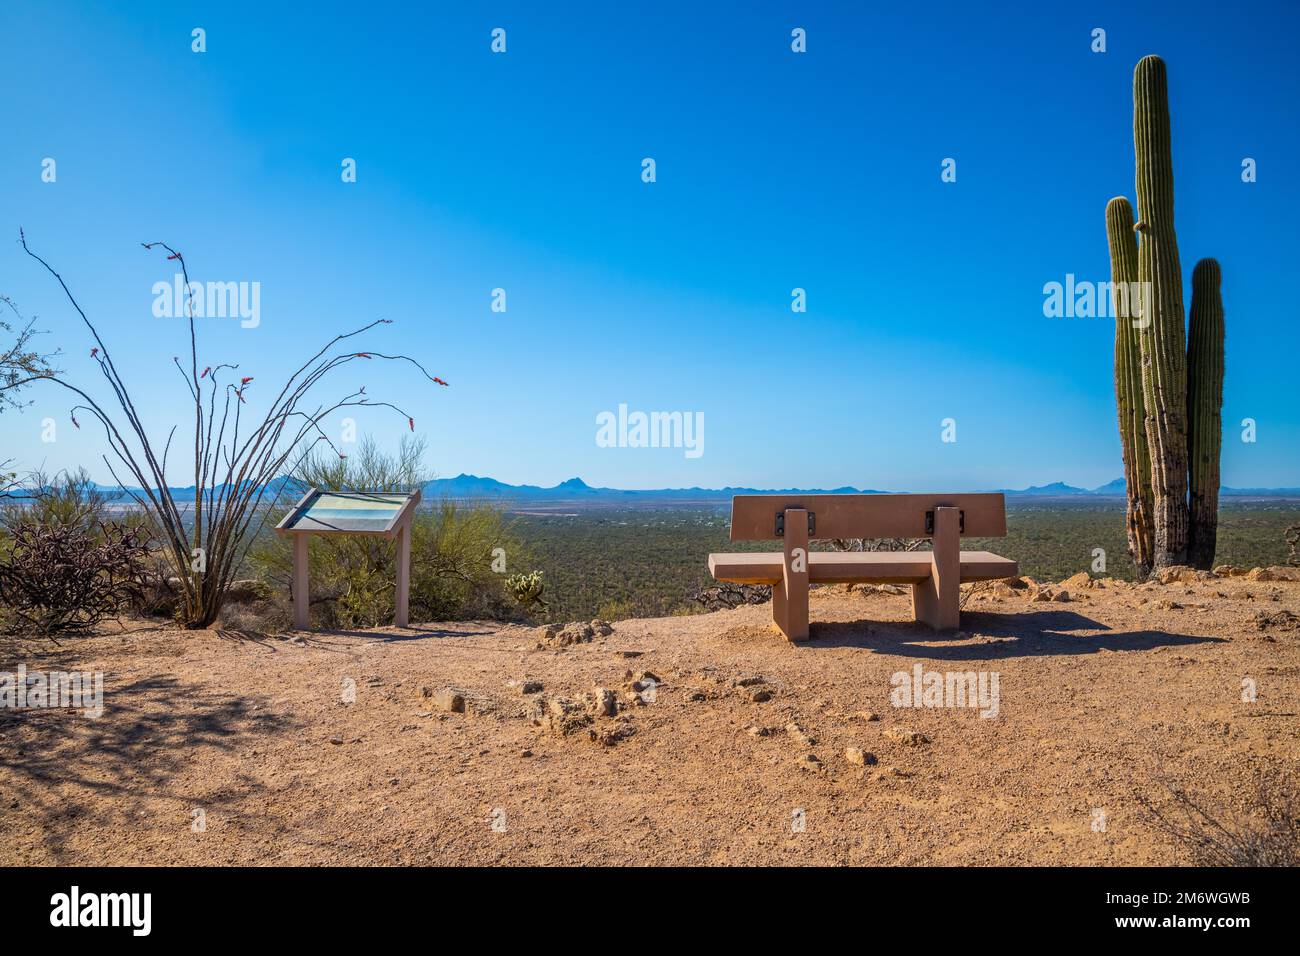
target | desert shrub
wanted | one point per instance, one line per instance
(66, 500)
(455, 550)
(616, 610)
(70, 499)
(57, 578)
(1266, 834)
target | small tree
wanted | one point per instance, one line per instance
(238, 463)
(20, 362)
(67, 499)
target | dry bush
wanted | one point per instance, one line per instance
(725, 596)
(273, 616)
(60, 578)
(878, 544)
(1266, 834)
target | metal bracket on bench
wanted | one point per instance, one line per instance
(780, 524)
(961, 522)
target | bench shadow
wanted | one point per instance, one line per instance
(999, 636)
(69, 773)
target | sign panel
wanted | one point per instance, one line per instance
(327, 511)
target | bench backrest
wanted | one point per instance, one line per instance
(754, 517)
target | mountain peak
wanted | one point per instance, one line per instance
(573, 483)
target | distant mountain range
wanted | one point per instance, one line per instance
(464, 487)
(577, 490)
(578, 493)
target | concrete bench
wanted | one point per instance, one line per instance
(935, 576)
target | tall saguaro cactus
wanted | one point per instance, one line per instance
(1204, 411)
(1128, 380)
(1168, 382)
(1162, 338)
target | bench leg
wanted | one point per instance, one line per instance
(779, 607)
(937, 600)
(790, 595)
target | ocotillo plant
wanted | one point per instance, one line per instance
(1128, 380)
(1204, 407)
(1163, 339)
(237, 461)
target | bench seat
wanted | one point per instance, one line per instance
(852, 567)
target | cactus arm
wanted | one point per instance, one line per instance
(1129, 403)
(1204, 411)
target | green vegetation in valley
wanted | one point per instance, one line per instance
(646, 563)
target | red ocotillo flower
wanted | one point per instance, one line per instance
(174, 255)
(245, 380)
(362, 355)
(411, 422)
(94, 351)
(206, 371)
(439, 381)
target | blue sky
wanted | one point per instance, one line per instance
(775, 170)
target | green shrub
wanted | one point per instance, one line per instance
(616, 610)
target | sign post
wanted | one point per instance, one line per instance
(385, 514)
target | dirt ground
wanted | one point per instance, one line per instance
(352, 748)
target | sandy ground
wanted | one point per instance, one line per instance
(1101, 698)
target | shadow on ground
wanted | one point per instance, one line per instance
(62, 771)
(1031, 634)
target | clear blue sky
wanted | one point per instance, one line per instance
(775, 170)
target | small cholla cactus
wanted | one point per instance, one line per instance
(527, 588)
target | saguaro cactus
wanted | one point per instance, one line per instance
(1163, 339)
(1204, 408)
(1129, 303)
